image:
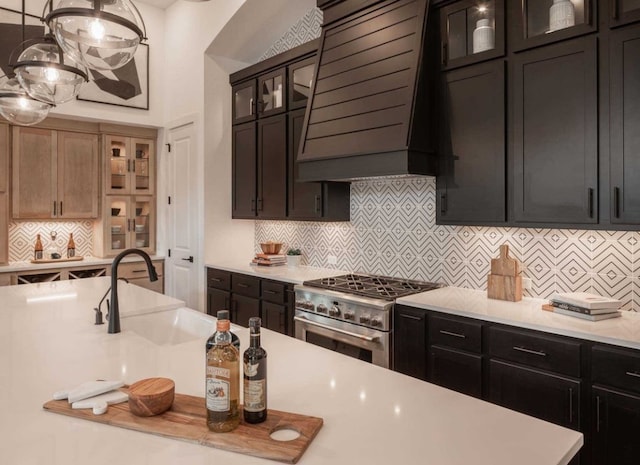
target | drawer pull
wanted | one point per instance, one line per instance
(216, 280)
(449, 333)
(597, 414)
(243, 285)
(410, 317)
(634, 374)
(570, 406)
(138, 271)
(267, 291)
(529, 351)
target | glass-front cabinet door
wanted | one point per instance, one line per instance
(244, 102)
(301, 82)
(271, 93)
(142, 224)
(538, 22)
(118, 165)
(131, 224)
(118, 225)
(142, 167)
(624, 12)
(471, 31)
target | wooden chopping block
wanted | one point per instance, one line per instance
(504, 282)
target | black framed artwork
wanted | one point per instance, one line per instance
(11, 35)
(126, 87)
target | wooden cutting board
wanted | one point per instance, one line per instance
(57, 260)
(504, 282)
(187, 421)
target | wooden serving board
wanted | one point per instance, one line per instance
(58, 260)
(187, 421)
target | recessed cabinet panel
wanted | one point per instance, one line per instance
(272, 167)
(244, 170)
(625, 124)
(305, 198)
(624, 12)
(77, 174)
(555, 134)
(472, 31)
(538, 22)
(410, 342)
(471, 185)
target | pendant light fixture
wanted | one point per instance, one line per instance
(100, 34)
(17, 106)
(46, 74)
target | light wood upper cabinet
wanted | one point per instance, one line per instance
(77, 175)
(4, 157)
(55, 174)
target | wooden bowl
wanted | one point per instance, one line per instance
(151, 396)
(271, 247)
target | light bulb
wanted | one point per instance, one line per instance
(96, 29)
(22, 101)
(482, 8)
(51, 74)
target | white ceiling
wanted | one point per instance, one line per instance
(162, 4)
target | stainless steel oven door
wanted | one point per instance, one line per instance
(356, 341)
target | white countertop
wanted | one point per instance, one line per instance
(371, 415)
(527, 313)
(285, 273)
(13, 267)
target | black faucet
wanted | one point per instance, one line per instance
(98, 309)
(114, 313)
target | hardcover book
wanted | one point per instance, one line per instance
(586, 300)
(603, 316)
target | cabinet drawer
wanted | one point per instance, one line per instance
(455, 370)
(245, 285)
(616, 367)
(135, 270)
(273, 292)
(547, 353)
(455, 333)
(218, 279)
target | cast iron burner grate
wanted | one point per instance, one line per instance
(377, 287)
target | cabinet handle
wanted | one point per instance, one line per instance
(590, 201)
(443, 203)
(61, 208)
(253, 205)
(55, 208)
(597, 414)
(138, 271)
(570, 405)
(243, 285)
(410, 317)
(251, 106)
(128, 166)
(449, 333)
(268, 291)
(260, 205)
(614, 9)
(317, 200)
(216, 280)
(226, 302)
(529, 351)
(445, 50)
(634, 374)
(616, 202)
(133, 166)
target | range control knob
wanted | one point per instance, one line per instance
(334, 311)
(308, 305)
(300, 304)
(350, 315)
(322, 308)
(365, 319)
(376, 322)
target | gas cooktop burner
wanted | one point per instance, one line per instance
(377, 287)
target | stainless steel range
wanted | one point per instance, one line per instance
(352, 314)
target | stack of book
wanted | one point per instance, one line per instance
(265, 259)
(586, 306)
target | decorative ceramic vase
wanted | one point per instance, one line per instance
(561, 15)
(294, 260)
(483, 36)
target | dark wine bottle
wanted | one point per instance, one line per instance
(223, 315)
(255, 376)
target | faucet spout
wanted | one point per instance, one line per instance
(114, 312)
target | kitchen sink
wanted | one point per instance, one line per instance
(170, 327)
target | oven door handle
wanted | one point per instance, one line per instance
(337, 330)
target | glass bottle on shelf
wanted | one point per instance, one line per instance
(38, 253)
(71, 247)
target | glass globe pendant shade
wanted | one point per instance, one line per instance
(17, 107)
(44, 75)
(100, 34)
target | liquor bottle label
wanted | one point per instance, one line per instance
(217, 395)
(254, 395)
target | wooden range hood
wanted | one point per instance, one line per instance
(369, 114)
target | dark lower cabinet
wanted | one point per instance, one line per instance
(616, 422)
(471, 182)
(555, 133)
(244, 175)
(540, 394)
(217, 299)
(456, 370)
(274, 317)
(243, 308)
(410, 342)
(624, 124)
(272, 167)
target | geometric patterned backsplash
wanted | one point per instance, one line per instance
(22, 237)
(393, 232)
(305, 30)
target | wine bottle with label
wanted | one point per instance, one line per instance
(223, 315)
(38, 250)
(223, 382)
(255, 376)
(71, 247)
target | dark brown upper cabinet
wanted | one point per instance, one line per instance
(471, 31)
(624, 12)
(624, 125)
(272, 168)
(244, 102)
(244, 174)
(272, 89)
(540, 22)
(471, 183)
(301, 82)
(555, 134)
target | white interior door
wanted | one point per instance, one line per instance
(182, 215)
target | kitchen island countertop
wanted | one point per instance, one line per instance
(371, 415)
